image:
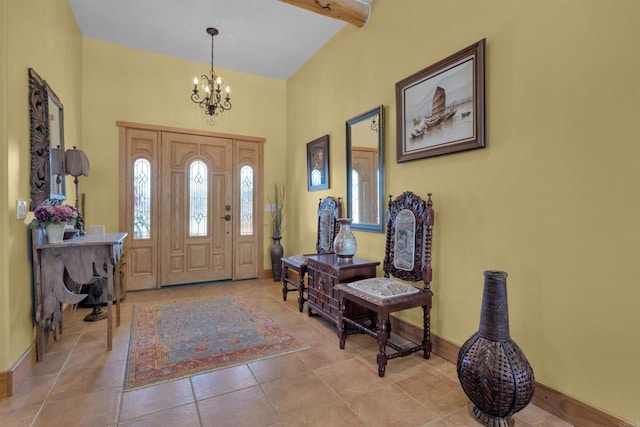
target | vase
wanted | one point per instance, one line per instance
(55, 232)
(345, 244)
(492, 369)
(276, 252)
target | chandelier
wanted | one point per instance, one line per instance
(212, 100)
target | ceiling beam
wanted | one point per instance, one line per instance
(353, 12)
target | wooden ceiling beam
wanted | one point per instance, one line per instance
(353, 12)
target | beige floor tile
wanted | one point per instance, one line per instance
(33, 391)
(535, 416)
(152, 399)
(98, 408)
(222, 381)
(351, 379)
(273, 368)
(183, 416)
(324, 354)
(55, 362)
(249, 407)
(463, 417)
(435, 390)
(93, 356)
(19, 417)
(78, 381)
(399, 368)
(391, 407)
(290, 394)
(335, 414)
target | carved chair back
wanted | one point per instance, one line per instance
(329, 210)
(409, 237)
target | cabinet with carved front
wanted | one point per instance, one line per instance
(327, 270)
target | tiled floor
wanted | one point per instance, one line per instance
(80, 384)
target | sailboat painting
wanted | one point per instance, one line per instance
(441, 108)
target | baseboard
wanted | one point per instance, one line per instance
(10, 380)
(562, 406)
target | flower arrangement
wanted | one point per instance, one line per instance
(49, 214)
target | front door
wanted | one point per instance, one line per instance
(190, 203)
(196, 208)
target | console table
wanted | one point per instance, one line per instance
(82, 257)
(327, 270)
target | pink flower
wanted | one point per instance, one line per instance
(47, 214)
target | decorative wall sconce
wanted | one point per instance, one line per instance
(212, 101)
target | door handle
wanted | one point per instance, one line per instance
(227, 217)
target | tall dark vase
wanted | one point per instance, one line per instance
(276, 252)
(493, 371)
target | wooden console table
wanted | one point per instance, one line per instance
(327, 270)
(82, 257)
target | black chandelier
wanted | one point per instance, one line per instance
(212, 102)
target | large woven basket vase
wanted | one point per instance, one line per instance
(493, 371)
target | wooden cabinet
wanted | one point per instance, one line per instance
(327, 270)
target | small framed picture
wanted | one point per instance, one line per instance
(318, 164)
(440, 110)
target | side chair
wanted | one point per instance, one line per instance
(329, 210)
(407, 257)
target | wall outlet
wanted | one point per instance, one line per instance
(21, 209)
(270, 208)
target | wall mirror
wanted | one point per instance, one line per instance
(47, 143)
(365, 173)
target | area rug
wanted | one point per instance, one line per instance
(184, 338)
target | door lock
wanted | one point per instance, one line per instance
(227, 217)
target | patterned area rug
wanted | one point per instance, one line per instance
(188, 337)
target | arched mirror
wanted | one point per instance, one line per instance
(47, 143)
(365, 174)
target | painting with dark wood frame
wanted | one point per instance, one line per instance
(441, 109)
(318, 164)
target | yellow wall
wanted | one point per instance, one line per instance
(551, 199)
(125, 84)
(42, 35)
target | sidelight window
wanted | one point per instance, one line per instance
(246, 201)
(141, 199)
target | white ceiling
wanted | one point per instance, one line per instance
(262, 37)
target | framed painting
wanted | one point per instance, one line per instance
(318, 164)
(441, 109)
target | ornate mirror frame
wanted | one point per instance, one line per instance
(47, 143)
(365, 170)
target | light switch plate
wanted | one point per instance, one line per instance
(21, 209)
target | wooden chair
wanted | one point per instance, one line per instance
(407, 257)
(329, 210)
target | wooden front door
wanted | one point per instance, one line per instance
(196, 208)
(190, 203)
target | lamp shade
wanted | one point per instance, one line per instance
(76, 163)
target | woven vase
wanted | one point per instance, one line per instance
(493, 371)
